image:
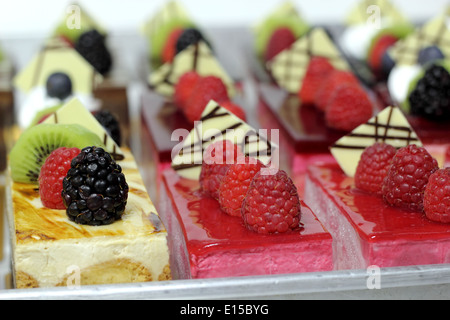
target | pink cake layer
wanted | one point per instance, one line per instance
(366, 231)
(209, 243)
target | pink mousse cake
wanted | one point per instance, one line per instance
(366, 230)
(209, 243)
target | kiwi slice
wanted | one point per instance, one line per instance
(36, 143)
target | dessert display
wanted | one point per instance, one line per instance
(78, 210)
(419, 60)
(371, 29)
(219, 197)
(315, 99)
(372, 199)
(179, 90)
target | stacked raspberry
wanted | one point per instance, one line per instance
(408, 178)
(337, 93)
(193, 92)
(266, 199)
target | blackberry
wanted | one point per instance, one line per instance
(431, 97)
(95, 191)
(91, 45)
(110, 123)
(189, 36)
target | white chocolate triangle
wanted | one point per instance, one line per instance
(217, 124)
(196, 57)
(74, 112)
(289, 66)
(436, 32)
(389, 126)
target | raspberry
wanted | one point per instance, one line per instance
(235, 184)
(407, 178)
(349, 107)
(52, 174)
(380, 47)
(330, 84)
(217, 158)
(169, 47)
(272, 204)
(183, 88)
(373, 167)
(234, 109)
(281, 39)
(436, 200)
(206, 89)
(95, 190)
(318, 69)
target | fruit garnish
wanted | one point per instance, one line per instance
(44, 114)
(206, 89)
(430, 54)
(407, 178)
(52, 174)
(188, 37)
(430, 95)
(169, 49)
(348, 108)
(59, 85)
(329, 86)
(436, 200)
(36, 143)
(272, 204)
(379, 48)
(235, 184)
(91, 45)
(184, 87)
(217, 158)
(389, 126)
(318, 69)
(281, 39)
(95, 190)
(110, 123)
(373, 167)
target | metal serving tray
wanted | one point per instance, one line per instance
(415, 282)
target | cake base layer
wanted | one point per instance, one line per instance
(49, 250)
(366, 231)
(209, 243)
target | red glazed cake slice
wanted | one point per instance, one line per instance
(210, 243)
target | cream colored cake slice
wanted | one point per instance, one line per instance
(436, 32)
(49, 250)
(289, 67)
(217, 124)
(197, 57)
(389, 126)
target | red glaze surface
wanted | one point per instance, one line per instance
(373, 219)
(207, 227)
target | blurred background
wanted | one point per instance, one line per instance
(27, 18)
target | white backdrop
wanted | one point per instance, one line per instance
(29, 18)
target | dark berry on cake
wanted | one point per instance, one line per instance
(95, 191)
(188, 37)
(431, 97)
(110, 123)
(430, 54)
(59, 85)
(91, 45)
